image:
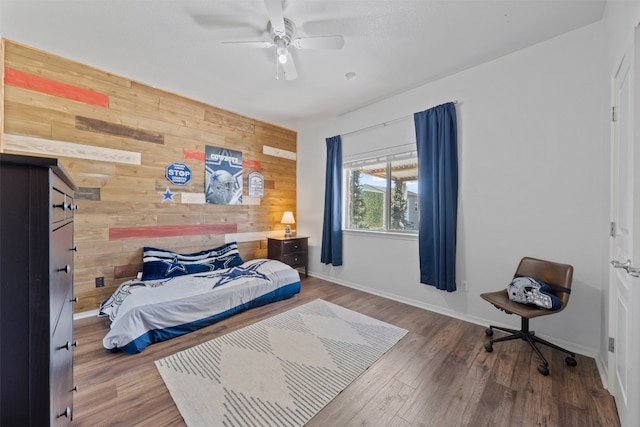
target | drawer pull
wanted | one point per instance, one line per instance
(75, 388)
(68, 345)
(74, 249)
(66, 269)
(66, 413)
(64, 206)
(74, 299)
(73, 207)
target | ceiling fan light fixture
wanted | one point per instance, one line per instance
(282, 56)
(281, 50)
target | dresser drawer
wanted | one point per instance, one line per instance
(58, 206)
(62, 202)
(62, 347)
(61, 270)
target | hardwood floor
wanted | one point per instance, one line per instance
(438, 375)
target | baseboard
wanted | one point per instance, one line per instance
(603, 371)
(408, 301)
(576, 348)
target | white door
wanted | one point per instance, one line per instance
(624, 289)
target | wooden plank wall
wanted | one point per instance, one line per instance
(116, 137)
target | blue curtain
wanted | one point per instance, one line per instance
(332, 227)
(436, 138)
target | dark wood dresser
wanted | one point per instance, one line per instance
(36, 292)
(293, 251)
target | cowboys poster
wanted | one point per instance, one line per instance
(223, 176)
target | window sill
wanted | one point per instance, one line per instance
(382, 234)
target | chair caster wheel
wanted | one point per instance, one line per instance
(488, 347)
(489, 332)
(543, 370)
(571, 361)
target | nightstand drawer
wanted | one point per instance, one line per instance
(294, 260)
(294, 245)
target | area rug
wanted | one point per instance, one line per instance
(277, 372)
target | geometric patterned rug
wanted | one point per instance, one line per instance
(277, 372)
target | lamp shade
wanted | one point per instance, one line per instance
(287, 218)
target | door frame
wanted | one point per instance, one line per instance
(633, 389)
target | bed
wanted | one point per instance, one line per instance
(180, 293)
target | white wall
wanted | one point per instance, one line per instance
(532, 183)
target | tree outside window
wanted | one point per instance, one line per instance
(398, 205)
(357, 205)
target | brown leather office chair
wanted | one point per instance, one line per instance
(559, 277)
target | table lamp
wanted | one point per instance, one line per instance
(287, 218)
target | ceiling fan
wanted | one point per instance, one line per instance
(282, 33)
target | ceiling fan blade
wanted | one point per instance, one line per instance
(320, 42)
(224, 22)
(289, 68)
(276, 17)
(251, 45)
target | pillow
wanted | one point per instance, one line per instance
(530, 291)
(162, 264)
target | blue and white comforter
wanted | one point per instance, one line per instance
(145, 312)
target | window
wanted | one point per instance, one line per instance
(382, 193)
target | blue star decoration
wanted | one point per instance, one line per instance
(221, 262)
(167, 195)
(174, 265)
(238, 272)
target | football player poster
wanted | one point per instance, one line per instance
(223, 176)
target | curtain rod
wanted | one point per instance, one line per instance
(383, 124)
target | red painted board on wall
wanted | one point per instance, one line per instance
(52, 87)
(151, 231)
(193, 155)
(251, 164)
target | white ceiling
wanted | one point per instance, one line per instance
(391, 45)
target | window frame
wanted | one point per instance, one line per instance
(402, 152)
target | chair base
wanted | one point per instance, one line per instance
(530, 336)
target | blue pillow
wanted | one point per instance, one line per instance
(163, 264)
